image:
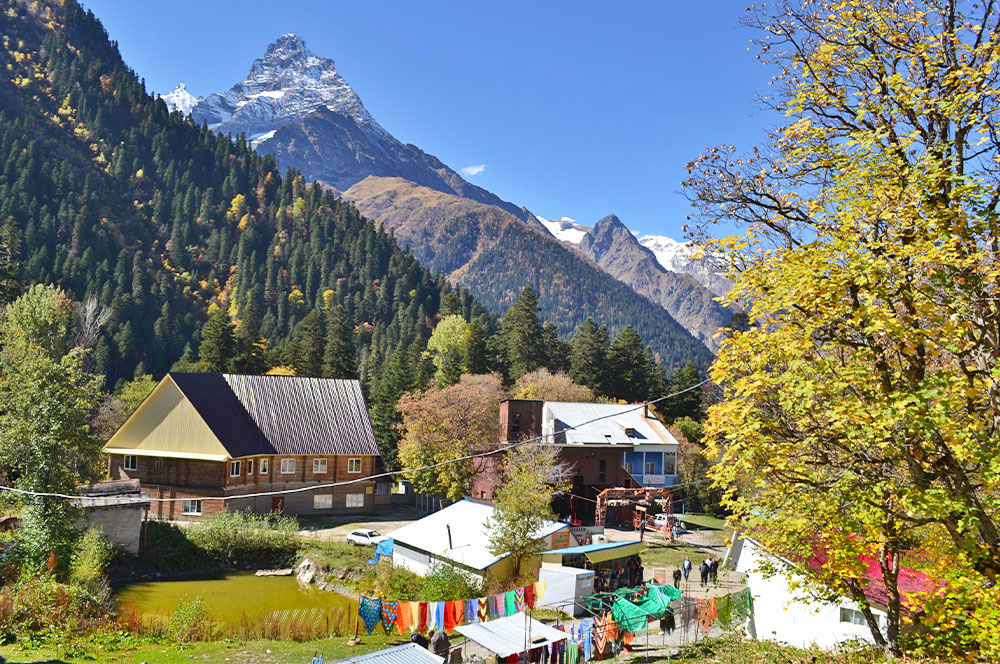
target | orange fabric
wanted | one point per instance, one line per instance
(403, 616)
(449, 616)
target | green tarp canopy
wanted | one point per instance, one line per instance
(633, 616)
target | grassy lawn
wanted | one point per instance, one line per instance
(337, 554)
(670, 555)
(252, 652)
(704, 522)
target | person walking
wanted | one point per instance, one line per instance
(713, 570)
(686, 567)
(440, 644)
(703, 570)
(677, 577)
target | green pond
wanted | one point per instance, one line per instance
(234, 596)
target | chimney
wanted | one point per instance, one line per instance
(645, 411)
(448, 526)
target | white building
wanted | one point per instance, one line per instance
(792, 616)
(458, 535)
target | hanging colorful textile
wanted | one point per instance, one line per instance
(508, 603)
(421, 620)
(470, 610)
(449, 617)
(483, 614)
(498, 604)
(585, 634)
(599, 636)
(539, 591)
(439, 608)
(519, 599)
(572, 653)
(707, 613)
(432, 622)
(389, 615)
(370, 611)
(529, 595)
(403, 616)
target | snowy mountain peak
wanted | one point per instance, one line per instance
(565, 229)
(179, 99)
(681, 257)
(286, 84)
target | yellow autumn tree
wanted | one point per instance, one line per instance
(860, 409)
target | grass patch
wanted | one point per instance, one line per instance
(703, 522)
(337, 554)
(671, 555)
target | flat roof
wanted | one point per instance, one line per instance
(511, 635)
(598, 553)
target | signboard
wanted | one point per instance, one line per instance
(560, 540)
(660, 575)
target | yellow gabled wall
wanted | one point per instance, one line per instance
(166, 424)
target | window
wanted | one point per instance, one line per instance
(852, 616)
(287, 466)
(650, 467)
(322, 501)
(382, 488)
(602, 471)
(319, 466)
(192, 507)
(355, 500)
(670, 463)
(234, 469)
(249, 466)
(131, 462)
(159, 464)
(354, 465)
(515, 425)
(263, 466)
(628, 467)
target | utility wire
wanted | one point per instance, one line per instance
(357, 480)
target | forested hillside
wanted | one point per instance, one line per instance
(163, 222)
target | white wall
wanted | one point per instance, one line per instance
(780, 614)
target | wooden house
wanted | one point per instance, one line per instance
(199, 436)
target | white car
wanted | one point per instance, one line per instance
(366, 537)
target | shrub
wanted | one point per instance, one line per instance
(444, 582)
(389, 582)
(38, 603)
(90, 560)
(247, 538)
(190, 621)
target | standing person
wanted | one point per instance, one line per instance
(642, 529)
(440, 644)
(686, 567)
(677, 578)
(419, 639)
(713, 570)
(703, 570)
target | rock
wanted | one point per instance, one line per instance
(288, 571)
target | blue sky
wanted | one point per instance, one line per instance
(579, 109)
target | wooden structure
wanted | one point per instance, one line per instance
(201, 436)
(637, 497)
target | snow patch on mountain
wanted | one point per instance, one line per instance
(179, 99)
(565, 229)
(686, 258)
(288, 83)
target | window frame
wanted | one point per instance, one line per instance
(350, 463)
(263, 467)
(355, 496)
(249, 466)
(291, 461)
(650, 468)
(328, 499)
(188, 504)
(852, 616)
(628, 467)
(235, 468)
(135, 462)
(320, 461)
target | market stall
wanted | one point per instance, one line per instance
(506, 638)
(615, 564)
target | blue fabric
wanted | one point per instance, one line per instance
(439, 614)
(471, 607)
(370, 611)
(383, 548)
(586, 627)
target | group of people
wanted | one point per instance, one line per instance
(709, 570)
(439, 644)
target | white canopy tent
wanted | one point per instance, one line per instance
(511, 635)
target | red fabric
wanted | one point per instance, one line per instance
(422, 623)
(449, 616)
(529, 595)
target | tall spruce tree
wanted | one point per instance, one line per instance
(309, 346)
(394, 380)
(249, 356)
(629, 371)
(687, 404)
(338, 357)
(588, 359)
(522, 334)
(10, 266)
(218, 344)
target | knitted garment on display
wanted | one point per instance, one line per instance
(539, 591)
(403, 616)
(439, 608)
(519, 599)
(421, 617)
(499, 605)
(508, 603)
(529, 595)
(370, 611)
(599, 636)
(483, 614)
(470, 610)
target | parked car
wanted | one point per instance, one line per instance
(366, 537)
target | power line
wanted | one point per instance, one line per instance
(357, 480)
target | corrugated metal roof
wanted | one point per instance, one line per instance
(559, 415)
(588, 548)
(281, 414)
(469, 534)
(511, 635)
(598, 553)
(408, 653)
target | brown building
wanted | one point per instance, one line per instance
(200, 437)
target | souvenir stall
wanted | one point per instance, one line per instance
(509, 639)
(615, 564)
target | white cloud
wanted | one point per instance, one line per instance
(469, 171)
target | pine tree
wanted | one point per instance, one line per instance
(217, 343)
(249, 357)
(10, 267)
(309, 346)
(556, 351)
(338, 357)
(588, 361)
(394, 380)
(629, 374)
(522, 335)
(476, 360)
(687, 404)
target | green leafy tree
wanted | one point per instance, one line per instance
(448, 346)
(531, 474)
(521, 332)
(547, 386)
(45, 438)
